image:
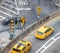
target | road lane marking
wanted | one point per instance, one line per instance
(11, 1)
(50, 44)
(5, 13)
(47, 43)
(8, 9)
(17, 7)
(2, 17)
(10, 5)
(21, 2)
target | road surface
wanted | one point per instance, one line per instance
(37, 43)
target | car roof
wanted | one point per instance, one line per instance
(22, 44)
(43, 28)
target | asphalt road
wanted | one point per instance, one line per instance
(37, 43)
(54, 48)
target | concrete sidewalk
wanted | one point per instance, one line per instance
(4, 38)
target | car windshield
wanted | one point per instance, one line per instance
(20, 44)
(17, 50)
(39, 32)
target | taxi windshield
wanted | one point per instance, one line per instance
(20, 44)
(39, 32)
(17, 50)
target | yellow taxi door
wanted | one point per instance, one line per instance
(28, 47)
(24, 49)
(50, 32)
(47, 32)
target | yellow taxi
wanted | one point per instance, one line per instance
(44, 32)
(21, 47)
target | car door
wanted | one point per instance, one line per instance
(28, 47)
(47, 32)
(24, 49)
(50, 31)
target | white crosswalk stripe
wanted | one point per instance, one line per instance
(5, 13)
(10, 5)
(8, 9)
(11, 1)
(2, 17)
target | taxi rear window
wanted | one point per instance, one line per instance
(48, 30)
(19, 44)
(16, 50)
(39, 32)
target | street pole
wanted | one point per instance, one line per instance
(38, 11)
(12, 26)
(12, 29)
(16, 2)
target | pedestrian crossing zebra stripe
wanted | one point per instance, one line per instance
(8, 9)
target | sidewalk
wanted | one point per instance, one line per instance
(4, 38)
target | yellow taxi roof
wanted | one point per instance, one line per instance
(43, 28)
(20, 47)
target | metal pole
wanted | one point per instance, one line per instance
(16, 2)
(12, 29)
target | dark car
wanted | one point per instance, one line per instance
(7, 20)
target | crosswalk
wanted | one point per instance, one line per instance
(8, 8)
(57, 2)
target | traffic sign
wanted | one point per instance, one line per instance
(38, 10)
(23, 19)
